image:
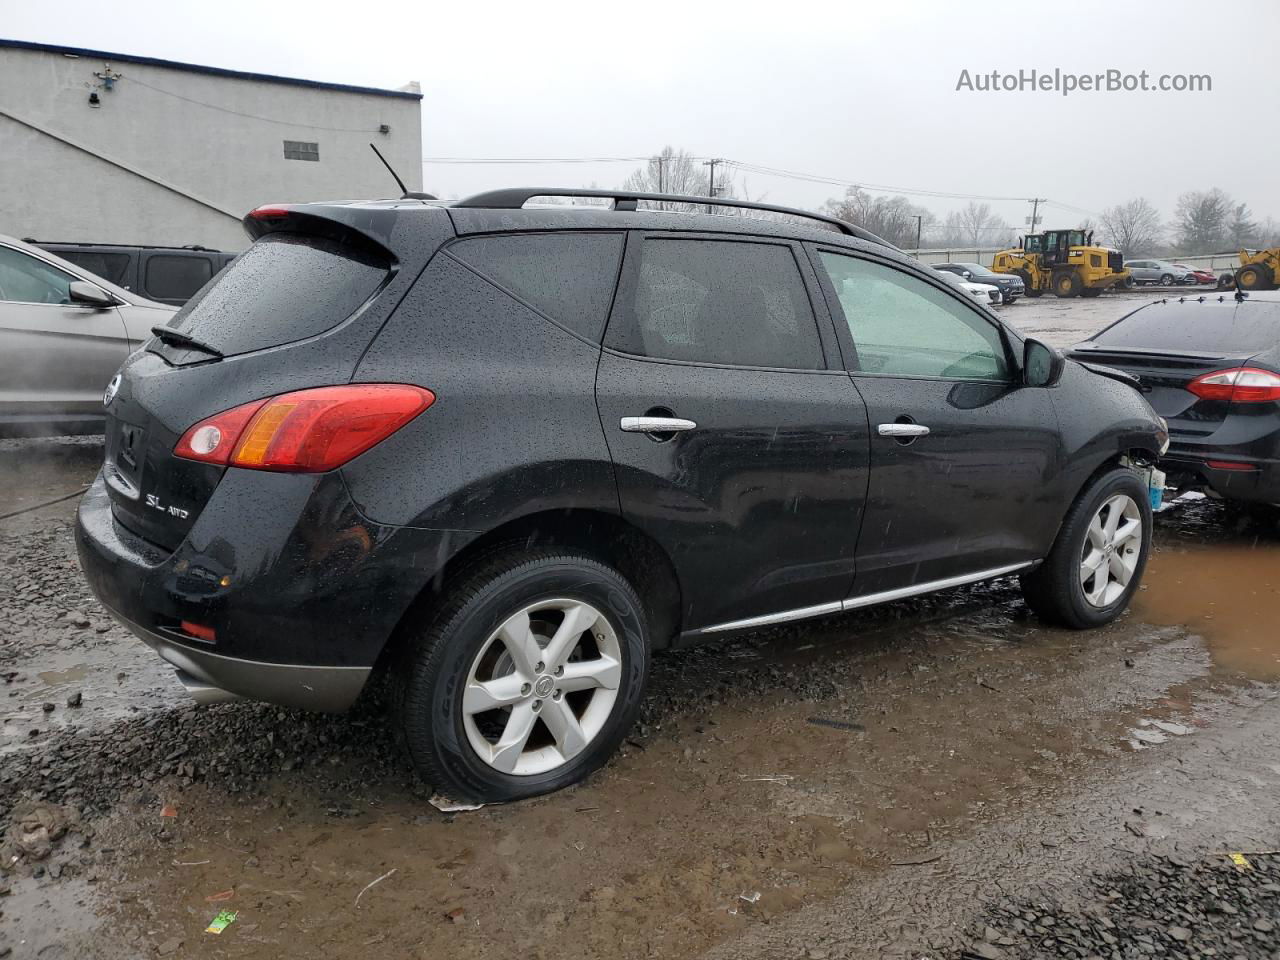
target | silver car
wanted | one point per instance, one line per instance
(64, 333)
(1160, 272)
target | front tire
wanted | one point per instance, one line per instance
(1067, 284)
(526, 679)
(1166, 280)
(1253, 277)
(1098, 560)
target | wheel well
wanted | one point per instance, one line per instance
(605, 537)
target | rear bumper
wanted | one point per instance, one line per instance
(210, 678)
(1259, 482)
(298, 600)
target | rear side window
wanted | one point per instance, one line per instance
(1249, 327)
(566, 276)
(109, 266)
(174, 277)
(717, 301)
(285, 287)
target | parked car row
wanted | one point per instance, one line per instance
(1008, 287)
(1166, 274)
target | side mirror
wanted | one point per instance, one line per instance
(1041, 364)
(966, 274)
(82, 291)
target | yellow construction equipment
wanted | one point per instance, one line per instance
(1259, 270)
(1064, 262)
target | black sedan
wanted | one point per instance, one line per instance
(1011, 287)
(1212, 366)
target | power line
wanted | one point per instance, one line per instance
(500, 160)
(763, 170)
(251, 116)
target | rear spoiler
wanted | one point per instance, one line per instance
(1112, 373)
(358, 227)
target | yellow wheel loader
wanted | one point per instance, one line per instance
(1063, 262)
(1259, 270)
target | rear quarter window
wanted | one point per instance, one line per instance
(284, 288)
(568, 277)
(1249, 327)
(171, 277)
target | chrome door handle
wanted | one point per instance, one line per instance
(657, 425)
(902, 430)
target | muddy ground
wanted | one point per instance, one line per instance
(931, 778)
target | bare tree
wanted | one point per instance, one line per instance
(890, 218)
(1269, 233)
(1203, 221)
(1242, 230)
(1133, 227)
(975, 226)
(675, 171)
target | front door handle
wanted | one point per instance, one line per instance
(657, 425)
(902, 430)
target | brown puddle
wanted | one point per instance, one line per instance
(1229, 594)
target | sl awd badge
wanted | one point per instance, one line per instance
(112, 389)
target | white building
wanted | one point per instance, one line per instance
(110, 148)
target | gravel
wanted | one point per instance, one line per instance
(1163, 906)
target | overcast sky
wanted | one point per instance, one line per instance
(847, 91)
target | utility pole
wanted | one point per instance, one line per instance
(1035, 211)
(711, 181)
(919, 224)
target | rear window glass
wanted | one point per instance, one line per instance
(171, 277)
(285, 287)
(109, 266)
(1211, 327)
(713, 301)
(567, 276)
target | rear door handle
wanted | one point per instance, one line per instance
(657, 425)
(902, 430)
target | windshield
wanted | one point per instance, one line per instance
(977, 269)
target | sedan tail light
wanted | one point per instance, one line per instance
(1242, 385)
(307, 431)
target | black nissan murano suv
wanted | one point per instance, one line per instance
(498, 453)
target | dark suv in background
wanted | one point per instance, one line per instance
(1010, 286)
(500, 454)
(170, 275)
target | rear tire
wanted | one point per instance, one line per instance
(1060, 590)
(461, 695)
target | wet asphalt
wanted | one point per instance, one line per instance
(941, 777)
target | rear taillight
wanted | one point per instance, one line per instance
(213, 440)
(1242, 385)
(307, 431)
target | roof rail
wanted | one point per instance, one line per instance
(514, 198)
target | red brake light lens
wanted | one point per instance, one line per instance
(270, 212)
(308, 431)
(1242, 385)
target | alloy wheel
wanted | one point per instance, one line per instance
(542, 687)
(1111, 550)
